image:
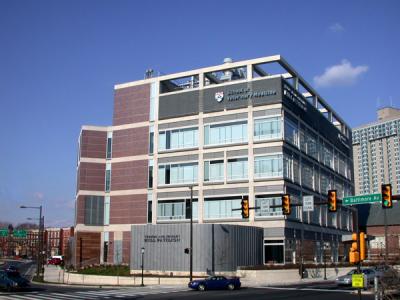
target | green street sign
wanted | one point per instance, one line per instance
(362, 199)
(3, 232)
(357, 280)
(20, 233)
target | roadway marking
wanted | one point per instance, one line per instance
(94, 294)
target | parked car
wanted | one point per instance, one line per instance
(54, 261)
(369, 275)
(215, 283)
(11, 280)
(6, 282)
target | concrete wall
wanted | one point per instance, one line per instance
(248, 278)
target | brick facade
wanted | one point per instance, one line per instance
(93, 144)
(131, 105)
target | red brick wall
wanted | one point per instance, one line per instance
(80, 210)
(129, 209)
(93, 144)
(129, 175)
(126, 247)
(393, 241)
(90, 242)
(131, 105)
(129, 142)
(91, 176)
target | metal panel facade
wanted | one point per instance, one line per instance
(216, 247)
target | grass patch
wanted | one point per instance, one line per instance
(106, 270)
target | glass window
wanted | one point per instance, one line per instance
(109, 145)
(108, 177)
(225, 133)
(267, 128)
(222, 208)
(214, 170)
(177, 173)
(307, 175)
(265, 204)
(237, 169)
(178, 139)
(312, 145)
(94, 210)
(291, 132)
(273, 252)
(151, 140)
(268, 166)
(150, 179)
(171, 210)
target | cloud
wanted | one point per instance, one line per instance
(343, 74)
(38, 195)
(336, 28)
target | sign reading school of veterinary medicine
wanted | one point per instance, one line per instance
(174, 238)
(243, 94)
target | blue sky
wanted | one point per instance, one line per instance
(59, 61)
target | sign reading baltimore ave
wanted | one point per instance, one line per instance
(362, 199)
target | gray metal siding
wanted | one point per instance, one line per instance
(216, 247)
(231, 191)
(187, 123)
(266, 150)
(176, 195)
(192, 102)
(268, 189)
(181, 158)
(267, 112)
(212, 155)
(230, 117)
(236, 153)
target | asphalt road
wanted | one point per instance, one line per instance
(53, 292)
(324, 290)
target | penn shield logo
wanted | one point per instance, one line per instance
(219, 96)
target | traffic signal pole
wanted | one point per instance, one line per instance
(386, 237)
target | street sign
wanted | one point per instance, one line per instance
(265, 208)
(357, 280)
(20, 233)
(362, 199)
(3, 232)
(308, 203)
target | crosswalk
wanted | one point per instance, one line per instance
(121, 293)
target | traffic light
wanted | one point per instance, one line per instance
(286, 209)
(245, 207)
(354, 255)
(363, 248)
(332, 201)
(387, 196)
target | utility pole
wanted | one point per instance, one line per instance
(386, 237)
(191, 233)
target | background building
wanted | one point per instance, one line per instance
(251, 128)
(377, 153)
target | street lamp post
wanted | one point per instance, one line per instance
(142, 264)
(191, 233)
(40, 240)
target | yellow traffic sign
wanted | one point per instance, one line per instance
(357, 280)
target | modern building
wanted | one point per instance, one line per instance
(249, 128)
(376, 152)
